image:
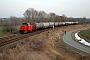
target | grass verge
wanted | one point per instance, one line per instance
(85, 34)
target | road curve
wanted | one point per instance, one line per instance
(68, 39)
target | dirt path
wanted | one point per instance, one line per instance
(47, 45)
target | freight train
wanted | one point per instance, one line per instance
(27, 27)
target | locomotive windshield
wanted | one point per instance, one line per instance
(26, 24)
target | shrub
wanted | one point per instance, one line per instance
(11, 29)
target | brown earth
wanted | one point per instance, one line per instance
(47, 45)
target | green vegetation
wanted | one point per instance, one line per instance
(8, 29)
(86, 33)
(1, 33)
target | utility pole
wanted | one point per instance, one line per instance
(53, 24)
(52, 16)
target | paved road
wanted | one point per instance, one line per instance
(68, 39)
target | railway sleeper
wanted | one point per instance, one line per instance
(6, 38)
(11, 37)
(0, 42)
(1, 38)
(3, 41)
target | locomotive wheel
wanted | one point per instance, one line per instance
(28, 31)
(21, 32)
(25, 32)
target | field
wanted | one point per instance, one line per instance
(85, 34)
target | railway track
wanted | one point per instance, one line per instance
(16, 37)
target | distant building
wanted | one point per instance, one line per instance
(4, 18)
(88, 20)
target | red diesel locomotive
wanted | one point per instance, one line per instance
(26, 27)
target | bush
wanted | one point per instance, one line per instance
(14, 29)
(11, 29)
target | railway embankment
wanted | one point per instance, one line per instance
(47, 45)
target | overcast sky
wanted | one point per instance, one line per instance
(71, 8)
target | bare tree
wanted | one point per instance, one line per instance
(59, 18)
(27, 15)
(35, 15)
(0, 22)
(13, 20)
(64, 17)
(42, 16)
(30, 14)
(84, 19)
(52, 16)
